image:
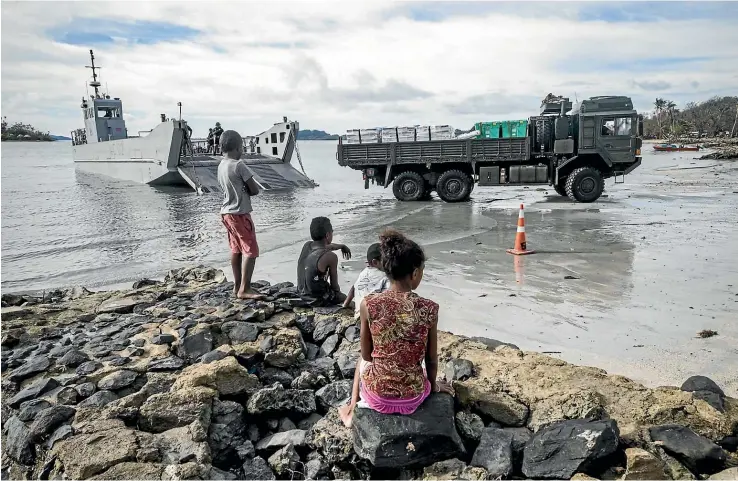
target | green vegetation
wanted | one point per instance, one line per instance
(315, 135)
(21, 131)
(716, 117)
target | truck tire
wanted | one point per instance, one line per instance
(544, 132)
(560, 188)
(408, 186)
(585, 184)
(454, 186)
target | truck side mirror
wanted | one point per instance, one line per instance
(640, 126)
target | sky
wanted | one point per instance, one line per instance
(334, 66)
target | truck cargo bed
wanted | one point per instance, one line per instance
(468, 150)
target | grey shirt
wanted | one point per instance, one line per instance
(232, 177)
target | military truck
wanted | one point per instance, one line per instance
(573, 149)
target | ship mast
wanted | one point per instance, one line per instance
(94, 82)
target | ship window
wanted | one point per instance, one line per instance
(257, 140)
(258, 150)
(266, 140)
(281, 137)
(288, 126)
(274, 151)
(274, 138)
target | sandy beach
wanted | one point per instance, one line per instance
(623, 284)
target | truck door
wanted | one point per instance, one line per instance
(616, 136)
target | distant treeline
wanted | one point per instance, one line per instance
(315, 135)
(716, 117)
(21, 131)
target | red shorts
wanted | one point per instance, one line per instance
(241, 234)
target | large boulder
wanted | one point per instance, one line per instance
(18, 443)
(86, 455)
(492, 404)
(195, 345)
(554, 389)
(175, 409)
(282, 347)
(331, 438)
(640, 464)
(469, 426)
(117, 380)
(453, 469)
(427, 435)
(563, 448)
(257, 468)
(226, 431)
(48, 420)
(295, 437)
(696, 452)
(33, 391)
(334, 395)
(495, 453)
(276, 399)
(132, 470)
(239, 332)
(32, 367)
(226, 376)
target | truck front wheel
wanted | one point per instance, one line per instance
(454, 186)
(408, 186)
(585, 184)
(560, 188)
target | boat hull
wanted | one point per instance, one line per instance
(661, 148)
(156, 160)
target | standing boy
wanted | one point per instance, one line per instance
(238, 185)
(317, 267)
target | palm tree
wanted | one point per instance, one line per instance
(660, 105)
(671, 110)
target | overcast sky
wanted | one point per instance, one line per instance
(335, 66)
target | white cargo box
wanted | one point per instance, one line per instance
(389, 134)
(422, 133)
(441, 132)
(369, 136)
(353, 136)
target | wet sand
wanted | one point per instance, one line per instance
(651, 263)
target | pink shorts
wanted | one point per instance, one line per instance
(241, 234)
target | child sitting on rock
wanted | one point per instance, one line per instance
(371, 279)
(399, 358)
(317, 266)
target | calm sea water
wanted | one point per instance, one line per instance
(61, 227)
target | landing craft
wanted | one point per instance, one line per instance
(167, 155)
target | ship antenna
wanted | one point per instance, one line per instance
(94, 82)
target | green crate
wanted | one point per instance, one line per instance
(488, 130)
(505, 128)
(518, 128)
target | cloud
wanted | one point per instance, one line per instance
(335, 66)
(652, 85)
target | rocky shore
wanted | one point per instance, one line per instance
(178, 380)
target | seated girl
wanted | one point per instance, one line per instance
(399, 361)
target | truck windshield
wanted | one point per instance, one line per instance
(617, 126)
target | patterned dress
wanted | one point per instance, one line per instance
(399, 323)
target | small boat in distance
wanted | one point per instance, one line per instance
(167, 155)
(675, 148)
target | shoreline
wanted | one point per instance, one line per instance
(178, 380)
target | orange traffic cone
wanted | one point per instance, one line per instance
(520, 244)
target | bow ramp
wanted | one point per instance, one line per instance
(202, 175)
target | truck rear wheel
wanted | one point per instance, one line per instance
(454, 186)
(409, 186)
(585, 184)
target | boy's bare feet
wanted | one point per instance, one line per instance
(346, 413)
(249, 294)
